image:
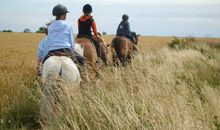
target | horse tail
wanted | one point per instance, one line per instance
(116, 43)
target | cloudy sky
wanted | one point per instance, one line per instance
(149, 17)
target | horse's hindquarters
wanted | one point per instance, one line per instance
(89, 50)
(122, 50)
(60, 67)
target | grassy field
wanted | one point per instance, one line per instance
(173, 84)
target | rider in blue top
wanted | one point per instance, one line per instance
(60, 35)
(60, 39)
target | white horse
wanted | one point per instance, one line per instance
(62, 67)
(58, 67)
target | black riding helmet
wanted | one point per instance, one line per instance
(59, 10)
(87, 8)
(125, 17)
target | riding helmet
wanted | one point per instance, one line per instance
(59, 10)
(87, 8)
(125, 17)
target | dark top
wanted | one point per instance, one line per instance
(85, 27)
(123, 29)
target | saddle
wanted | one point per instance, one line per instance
(126, 38)
(86, 37)
(62, 52)
(58, 53)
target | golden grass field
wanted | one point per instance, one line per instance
(162, 89)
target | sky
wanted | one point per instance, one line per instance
(199, 18)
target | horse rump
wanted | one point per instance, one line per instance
(60, 67)
(119, 54)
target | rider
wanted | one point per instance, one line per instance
(124, 28)
(85, 23)
(60, 38)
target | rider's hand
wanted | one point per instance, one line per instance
(38, 72)
(98, 38)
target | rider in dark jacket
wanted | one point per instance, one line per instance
(124, 28)
(85, 24)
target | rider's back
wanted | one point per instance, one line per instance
(123, 29)
(60, 35)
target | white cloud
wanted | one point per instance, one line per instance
(156, 17)
(158, 2)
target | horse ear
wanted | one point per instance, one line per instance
(138, 35)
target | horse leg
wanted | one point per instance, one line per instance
(115, 59)
(123, 59)
(135, 49)
(129, 57)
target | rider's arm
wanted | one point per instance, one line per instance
(94, 28)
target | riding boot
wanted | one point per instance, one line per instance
(98, 50)
(97, 47)
(133, 40)
(135, 49)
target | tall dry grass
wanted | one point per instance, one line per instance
(163, 88)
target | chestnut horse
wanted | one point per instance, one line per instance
(123, 49)
(90, 51)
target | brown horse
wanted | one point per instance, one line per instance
(123, 49)
(90, 51)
